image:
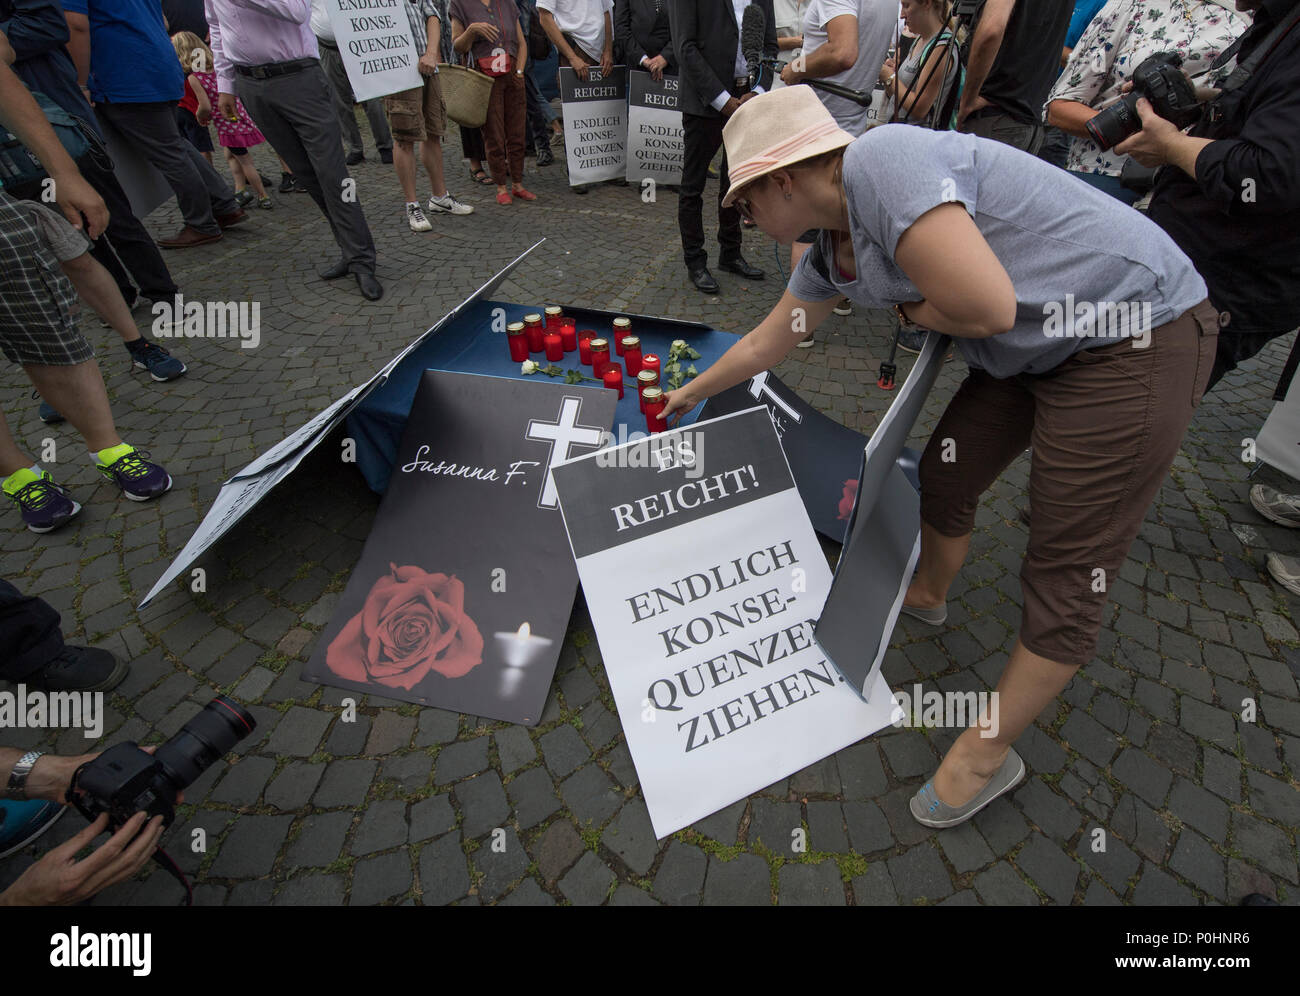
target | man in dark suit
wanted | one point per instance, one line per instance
(642, 38)
(714, 82)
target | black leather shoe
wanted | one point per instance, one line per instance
(704, 280)
(371, 289)
(741, 266)
(356, 157)
(386, 156)
(339, 269)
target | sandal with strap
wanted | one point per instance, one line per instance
(480, 176)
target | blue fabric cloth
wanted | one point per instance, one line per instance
(39, 35)
(469, 345)
(131, 56)
(1084, 12)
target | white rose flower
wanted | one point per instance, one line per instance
(528, 367)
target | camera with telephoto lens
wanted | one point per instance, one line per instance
(125, 780)
(1160, 79)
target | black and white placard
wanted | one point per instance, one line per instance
(243, 491)
(462, 596)
(374, 38)
(704, 580)
(656, 144)
(595, 124)
(884, 537)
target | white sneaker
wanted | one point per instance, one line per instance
(416, 219)
(448, 205)
(1285, 571)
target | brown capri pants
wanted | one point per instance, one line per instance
(1105, 426)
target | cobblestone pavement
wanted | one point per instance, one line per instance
(403, 805)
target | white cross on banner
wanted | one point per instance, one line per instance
(567, 433)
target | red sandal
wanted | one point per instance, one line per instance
(525, 195)
(504, 200)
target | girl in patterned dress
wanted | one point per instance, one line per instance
(235, 136)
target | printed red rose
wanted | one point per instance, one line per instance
(850, 496)
(413, 622)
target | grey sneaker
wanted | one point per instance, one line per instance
(935, 617)
(1275, 506)
(448, 205)
(929, 810)
(1285, 571)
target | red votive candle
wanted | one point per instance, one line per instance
(613, 378)
(569, 334)
(533, 329)
(632, 354)
(518, 339)
(553, 313)
(650, 361)
(584, 346)
(654, 404)
(646, 378)
(599, 355)
(554, 346)
(622, 327)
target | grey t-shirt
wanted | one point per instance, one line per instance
(877, 20)
(1086, 268)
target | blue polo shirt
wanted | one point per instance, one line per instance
(131, 56)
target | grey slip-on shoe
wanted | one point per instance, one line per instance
(929, 810)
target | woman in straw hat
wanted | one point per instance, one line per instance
(1087, 334)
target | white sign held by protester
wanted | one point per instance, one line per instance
(656, 144)
(374, 38)
(595, 124)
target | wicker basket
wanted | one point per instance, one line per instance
(466, 93)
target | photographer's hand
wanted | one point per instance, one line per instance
(59, 879)
(1160, 142)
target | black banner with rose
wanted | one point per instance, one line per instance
(462, 596)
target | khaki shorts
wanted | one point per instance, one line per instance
(1105, 426)
(419, 114)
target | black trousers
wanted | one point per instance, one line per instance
(126, 249)
(30, 634)
(703, 137)
(296, 114)
(1235, 349)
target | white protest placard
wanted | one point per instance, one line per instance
(595, 124)
(374, 38)
(704, 579)
(656, 143)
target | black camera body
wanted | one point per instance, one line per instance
(1160, 79)
(125, 780)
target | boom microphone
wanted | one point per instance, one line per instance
(753, 26)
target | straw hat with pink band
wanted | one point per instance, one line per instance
(774, 130)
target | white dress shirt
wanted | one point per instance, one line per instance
(253, 32)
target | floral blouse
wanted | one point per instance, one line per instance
(1125, 32)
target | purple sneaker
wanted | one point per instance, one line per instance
(44, 504)
(126, 467)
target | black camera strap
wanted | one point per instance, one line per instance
(1245, 70)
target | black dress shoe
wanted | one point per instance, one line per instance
(80, 669)
(356, 157)
(339, 269)
(738, 264)
(386, 156)
(704, 280)
(371, 289)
